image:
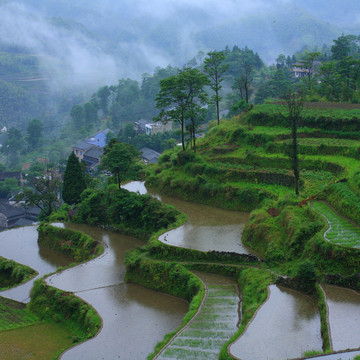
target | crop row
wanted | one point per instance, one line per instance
(340, 230)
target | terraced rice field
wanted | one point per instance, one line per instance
(14, 315)
(216, 323)
(325, 141)
(340, 231)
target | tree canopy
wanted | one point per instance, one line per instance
(118, 159)
(74, 181)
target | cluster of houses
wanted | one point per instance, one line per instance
(11, 213)
(90, 150)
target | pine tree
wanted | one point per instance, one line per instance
(74, 181)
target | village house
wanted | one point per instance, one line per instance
(149, 156)
(149, 128)
(299, 70)
(90, 150)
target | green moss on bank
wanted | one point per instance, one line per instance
(79, 246)
(13, 274)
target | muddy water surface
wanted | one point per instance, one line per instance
(21, 246)
(134, 318)
(207, 228)
(286, 326)
(344, 317)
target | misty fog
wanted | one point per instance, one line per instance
(92, 42)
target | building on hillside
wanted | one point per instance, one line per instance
(81, 148)
(92, 158)
(91, 149)
(140, 126)
(299, 70)
(149, 156)
(99, 139)
(13, 216)
(149, 128)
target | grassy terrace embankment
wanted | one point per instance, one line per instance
(13, 274)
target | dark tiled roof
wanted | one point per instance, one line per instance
(83, 146)
(94, 152)
(10, 211)
(23, 222)
(149, 155)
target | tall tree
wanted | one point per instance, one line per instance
(341, 48)
(180, 98)
(309, 63)
(118, 159)
(245, 75)
(214, 67)
(43, 194)
(34, 134)
(74, 181)
(194, 83)
(294, 104)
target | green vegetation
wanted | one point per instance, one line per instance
(63, 307)
(12, 273)
(137, 215)
(74, 180)
(205, 336)
(73, 243)
(324, 326)
(340, 230)
(14, 314)
(253, 285)
(36, 342)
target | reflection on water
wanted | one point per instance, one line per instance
(134, 319)
(107, 269)
(344, 317)
(340, 356)
(286, 326)
(21, 246)
(207, 228)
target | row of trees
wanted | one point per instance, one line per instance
(332, 74)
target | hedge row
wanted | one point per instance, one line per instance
(159, 250)
(13, 274)
(284, 148)
(49, 302)
(201, 190)
(351, 135)
(345, 201)
(351, 281)
(76, 244)
(281, 163)
(332, 258)
(308, 119)
(224, 174)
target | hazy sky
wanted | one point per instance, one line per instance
(111, 38)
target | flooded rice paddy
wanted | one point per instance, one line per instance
(344, 317)
(286, 326)
(207, 228)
